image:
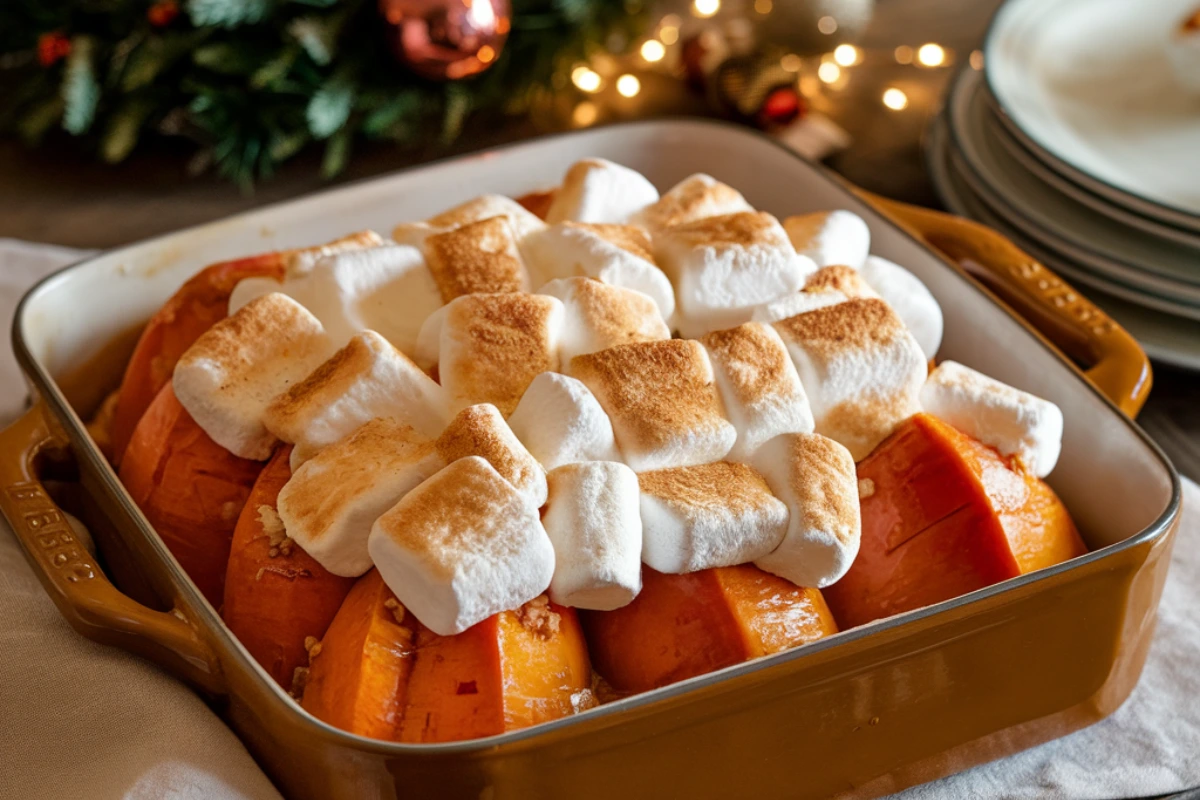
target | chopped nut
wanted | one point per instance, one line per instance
(313, 645)
(393, 605)
(272, 526)
(299, 681)
(538, 618)
(866, 488)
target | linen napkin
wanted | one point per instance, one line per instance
(82, 719)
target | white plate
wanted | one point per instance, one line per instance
(1128, 256)
(1087, 85)
(1165, 338)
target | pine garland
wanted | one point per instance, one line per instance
(254, 82)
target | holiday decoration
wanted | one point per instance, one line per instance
(814, 26)
(447, 39)
(254, 82)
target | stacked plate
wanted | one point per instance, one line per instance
(1080, 143)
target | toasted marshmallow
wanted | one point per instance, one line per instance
(385, 289)
(367, 378)
(815, 477)
(229, 376)
(660, 396)
(724, 267)
(711, 515)
(861, 368)
(598, 316)
(298, 262)
(839, 278)
(695, 197)
(560, 422)
(830, 237)
(522, 222)
(429, 340)
(462, 546)
(492, 345)
(909, 298)
(481, 431)
(331, 501)
(619, 255)
(1014, 422)
(477, 257)
(595, 190)
(796, 303)
(759, 386)
(593, 522)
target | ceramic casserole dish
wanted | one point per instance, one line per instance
(865, 712)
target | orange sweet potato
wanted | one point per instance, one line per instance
(378, 672)
(944, 515)
(276, 595)
(681, 626)
(190, 488)
(359, 672)
(510, 671)
(193, 309)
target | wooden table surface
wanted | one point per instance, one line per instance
(59, 195)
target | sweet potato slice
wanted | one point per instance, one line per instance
(359, 674)
(190, 488)
(944, 515)
(276, 595)
(193, 309)
(510, 671)
(681, 626)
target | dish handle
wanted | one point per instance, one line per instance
(85, 597)
(1113, 360)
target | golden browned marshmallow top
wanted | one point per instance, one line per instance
(477, 257)
(691, 199)
(839, 278)
(630, 238)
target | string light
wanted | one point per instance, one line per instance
(669, 34)
(829, 72)
(585, 113)
(486, 54)
(976, 60)
(628, 85)
(653, 50)
(827, 25)
(672, 21)
(586, 79)
(931, 55)
(846, 55)
(903, 54)
(895, 99)
(763, 6)
(705, 8)
(791, 62)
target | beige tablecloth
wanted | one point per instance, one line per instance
(81, 720)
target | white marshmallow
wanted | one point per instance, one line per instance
(910, 299)
(660, 396)
(695, 197)
(596, 190)
(483, 207)
(477, 257)
(760, 388)
(619, 255)
(385, 289)
(861, 368)
(462, 546)
(429, 340)
(481, 431)
(598, 316)
(332, 500)
(299, 261)
(724, 267)
(797, 303)
(830, 237)
(367, 378)
(711, 515)
(815, 477)
(492, 346)
(229, 375)
(1014, 422)
(560, 422)
(593, 522)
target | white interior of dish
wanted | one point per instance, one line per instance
(1113, 482)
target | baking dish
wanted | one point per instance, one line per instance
(871, 710)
